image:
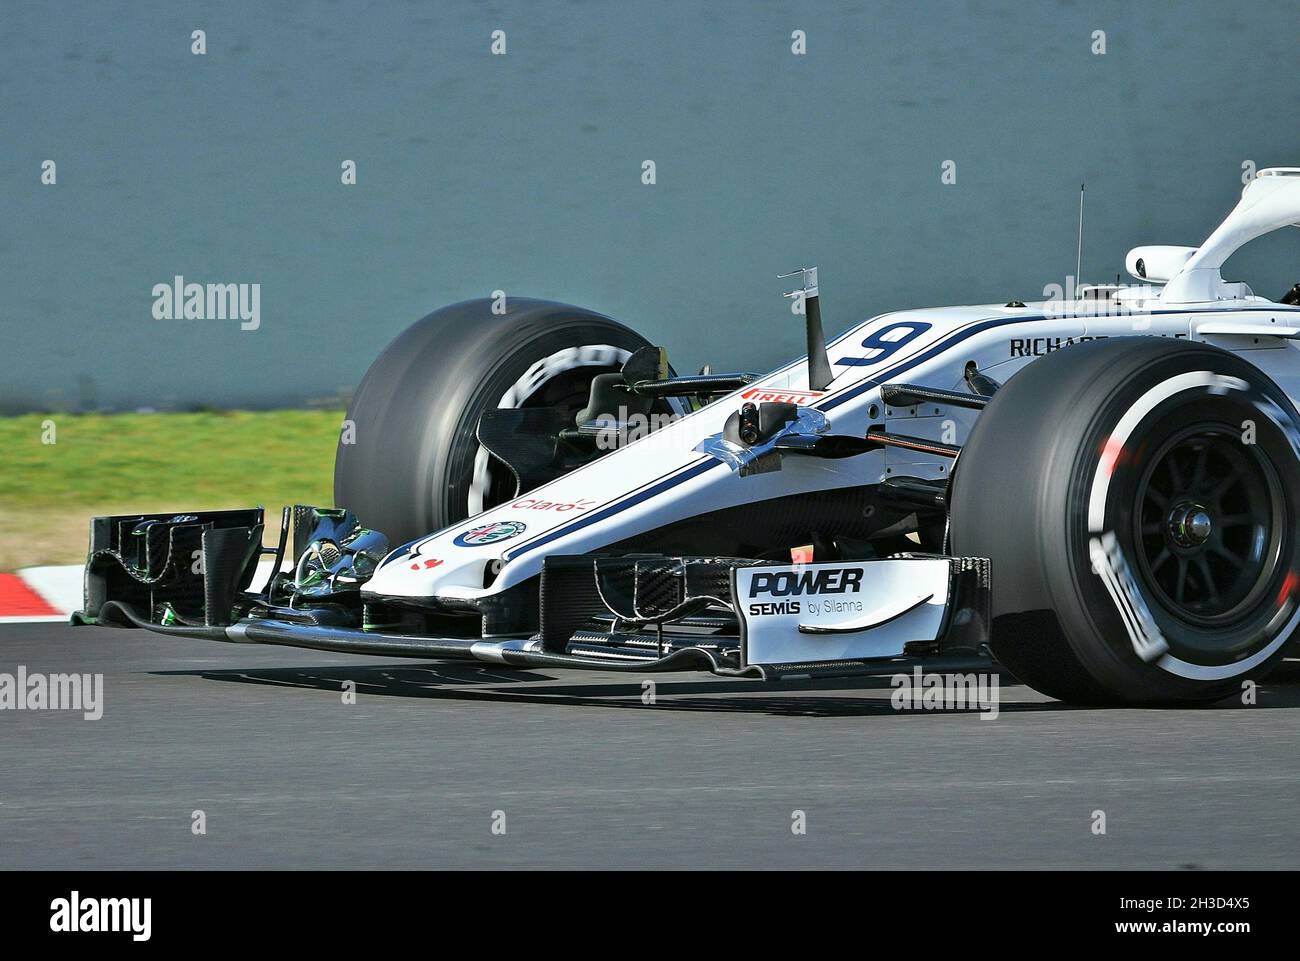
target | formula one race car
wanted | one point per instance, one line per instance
(1102, 492)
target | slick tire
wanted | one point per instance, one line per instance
(408, 461)
(1138, 500)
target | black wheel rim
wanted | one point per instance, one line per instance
(1209, 524)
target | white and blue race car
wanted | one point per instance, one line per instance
(1100, 491)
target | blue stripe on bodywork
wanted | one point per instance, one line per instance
(645, 493)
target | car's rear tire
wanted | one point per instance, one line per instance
(1135, 490)
(408, 460)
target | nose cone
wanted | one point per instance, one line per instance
(428, 569)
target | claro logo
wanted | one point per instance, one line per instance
(843, 580)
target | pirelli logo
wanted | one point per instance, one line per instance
(763, 395)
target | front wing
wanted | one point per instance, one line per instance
(191, 575)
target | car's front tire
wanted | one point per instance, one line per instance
(1138, 500)
(408, 460)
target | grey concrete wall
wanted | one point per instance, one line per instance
(523, 172)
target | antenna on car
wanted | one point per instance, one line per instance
(819, 362)
(1078, 257)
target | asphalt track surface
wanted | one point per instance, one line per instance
(287, 775)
